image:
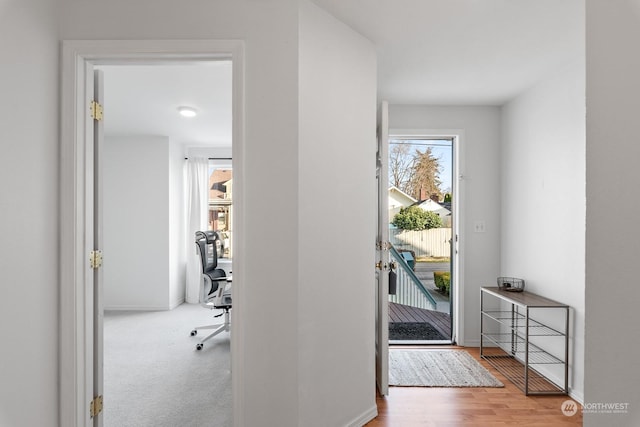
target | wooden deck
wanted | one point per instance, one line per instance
(399, 313)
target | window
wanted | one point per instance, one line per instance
(221, 204)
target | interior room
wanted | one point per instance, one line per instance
(146, 149)
(148, 142)
(545, 93)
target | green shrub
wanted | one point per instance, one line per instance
(416, 218)
(443, 281)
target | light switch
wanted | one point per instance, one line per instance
(479, 226)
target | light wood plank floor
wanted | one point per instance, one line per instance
(478, 407)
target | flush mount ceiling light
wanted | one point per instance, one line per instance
(187, 111)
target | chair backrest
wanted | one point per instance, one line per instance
(210, 289)
(206, 242)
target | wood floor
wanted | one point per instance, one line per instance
(478, 407)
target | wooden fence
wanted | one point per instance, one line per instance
(425, 243)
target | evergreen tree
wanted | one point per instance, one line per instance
(424, 179)
(414, 171)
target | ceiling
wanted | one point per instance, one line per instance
(432, 52)
(144, 100)
(464, 52)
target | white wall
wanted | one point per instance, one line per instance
(142, 223)
(543, 200)
(337, 211)
(28, 212)
(223, 152)
(177, 227)
(612, 364)
(265, 372)
(479, 195)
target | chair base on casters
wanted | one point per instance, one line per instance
(219, 328)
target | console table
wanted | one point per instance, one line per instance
(507, 332)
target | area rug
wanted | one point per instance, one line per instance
(414, 331)
(438, 368)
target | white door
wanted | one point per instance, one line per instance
(94, 241)
(382, 252)
(98, 281)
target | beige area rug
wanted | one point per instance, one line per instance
(438, 368)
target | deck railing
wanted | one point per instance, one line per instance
(409, 289)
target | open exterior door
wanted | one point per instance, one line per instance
(382, 253)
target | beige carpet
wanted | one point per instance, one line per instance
(438, 368)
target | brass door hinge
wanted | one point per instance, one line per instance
(383, 246)
(95, 407)
(96, 110)
(95, 259)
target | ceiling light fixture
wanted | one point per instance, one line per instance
(187, 111)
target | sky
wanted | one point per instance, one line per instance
(441, 149)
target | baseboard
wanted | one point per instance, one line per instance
(171, 306)
(176, 303)
(578, 397)
(136, 308)
(364, 418)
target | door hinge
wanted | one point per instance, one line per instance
(383, 246)
(96, 110)
(95, 259)
(95, 407)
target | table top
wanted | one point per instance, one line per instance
(524, 298)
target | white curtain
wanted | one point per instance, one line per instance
(197, 210)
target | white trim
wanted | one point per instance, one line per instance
(364, 418)
(578, 397)
(77, 57)
(142, 307)
(458, 136)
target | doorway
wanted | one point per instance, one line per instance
(423, 234)
(80, 359)
(145, 234)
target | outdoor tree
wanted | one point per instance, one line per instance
(401, 166)
(416, 218)
(412, 170)
(425, 172)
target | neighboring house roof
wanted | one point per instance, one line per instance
(433, 206)
(398, 198)
(217, 183)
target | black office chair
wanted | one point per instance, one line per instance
(215, 285)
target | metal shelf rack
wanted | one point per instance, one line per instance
(507, 344)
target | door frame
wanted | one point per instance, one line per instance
(76, 301)
(457, 206)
